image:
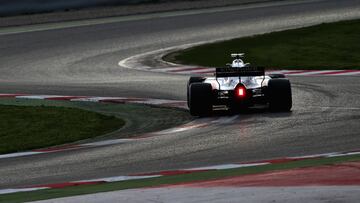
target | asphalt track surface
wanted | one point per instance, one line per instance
(83, 61)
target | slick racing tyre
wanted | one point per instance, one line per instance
(200, 99)
(279, 95)
(192, 79)
(276, 75)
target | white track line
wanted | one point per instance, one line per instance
(227, 166)
(108, 142)
(156, 101)
(19, 154)
(118, 178)
(38, 97)
(314, 156)
(96, 99)
(343, 154)
(8, 191)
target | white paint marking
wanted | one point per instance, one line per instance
(18, 154)
(8, 191)
(118, 178)
(38, 96)
(156, 101)
(96, 99)
(314, 156)
(43, 97)
(227, 166)
(108, 142)
(343, 154)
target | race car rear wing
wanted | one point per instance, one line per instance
(240, 72)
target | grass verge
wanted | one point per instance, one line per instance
(175, 179)
(23, 128)
(50, 123)
(325, 46)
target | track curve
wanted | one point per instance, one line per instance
(83, 61)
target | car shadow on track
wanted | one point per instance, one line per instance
(263, 111)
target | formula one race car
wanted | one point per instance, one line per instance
(236, 87)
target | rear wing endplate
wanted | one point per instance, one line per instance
(240, 72)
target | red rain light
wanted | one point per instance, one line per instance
(241, 91)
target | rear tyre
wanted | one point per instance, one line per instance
(279, 94)
(192, 79)
(277, 75)
(200, 99)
